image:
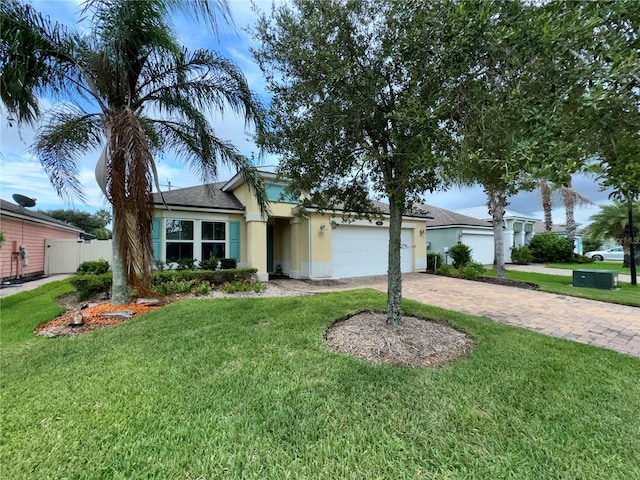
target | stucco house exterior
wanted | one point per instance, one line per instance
(223, 220)
(518, 227)
(446, 228)
(25, 231)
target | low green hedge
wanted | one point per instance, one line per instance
(215, 277)
(88, 285)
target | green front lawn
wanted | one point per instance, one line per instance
(615, 266)
(626, 294)
(244, 388)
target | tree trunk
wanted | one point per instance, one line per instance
(569, 198)
(394, 273)
(119, 287)
(497, 203)
(547, 205)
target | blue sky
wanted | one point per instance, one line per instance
(21, 172)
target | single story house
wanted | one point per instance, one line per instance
(223, 220)
(518, 227)
(25, 231)
(447, 228)
(561, 231)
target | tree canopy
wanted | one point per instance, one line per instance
(95, 224)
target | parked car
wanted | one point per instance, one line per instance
(615, 254)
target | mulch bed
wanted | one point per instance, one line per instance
(91, 318)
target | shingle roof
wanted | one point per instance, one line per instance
(12, 209)
(201, 196)
(442, 218)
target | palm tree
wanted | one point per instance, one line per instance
(133, 91)
(612, 221)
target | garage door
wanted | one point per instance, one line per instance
(360, 251)
(482, 247)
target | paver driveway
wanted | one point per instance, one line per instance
(607, 325)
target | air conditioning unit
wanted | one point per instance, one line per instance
(603, 279)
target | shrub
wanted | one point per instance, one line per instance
(88, 285)
(583, 259)
(444, 270)
(243, 286)
(210, 264)
(521, 255)
(214, 277)
(472, 270)
(549, 247)
(460, 255)
(201, 288)
(434, 261)
(228, 263)
(93, 267)
(160, 265)
(184, 263)
(174, 286)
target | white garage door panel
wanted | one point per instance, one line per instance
(361, 251)
(482, 245)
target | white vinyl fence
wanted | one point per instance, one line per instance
(65, 256)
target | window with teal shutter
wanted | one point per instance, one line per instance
(234, 240)
(156, 237)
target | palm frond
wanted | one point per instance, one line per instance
(36, 57)
(68, 133)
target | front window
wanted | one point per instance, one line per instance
(213, 240)
(179, 234)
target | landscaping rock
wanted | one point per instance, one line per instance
(148, 301)
(120, 313)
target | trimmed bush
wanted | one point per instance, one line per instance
(460, 255)
(521, 255)
(434, 261)
(583, 259)
(472, 270)
(184, 263)
(214, 277)
(93, 267)
(549, 247)
(228, 263)
(210, 264)
(89, 285)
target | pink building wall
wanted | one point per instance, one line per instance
(30, 234)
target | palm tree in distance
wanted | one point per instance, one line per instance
(126, 86)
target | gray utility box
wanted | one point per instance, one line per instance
(605, 279)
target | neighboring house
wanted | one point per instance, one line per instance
(561, 231)
(223, 220)
(447, 228)
(23, 251)
(518, 228)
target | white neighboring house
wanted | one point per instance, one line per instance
(518, 227)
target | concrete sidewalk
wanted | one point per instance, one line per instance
(6, 291)
(607, 325)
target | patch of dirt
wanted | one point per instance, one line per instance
(416, 342)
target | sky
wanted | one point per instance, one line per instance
(20, 171)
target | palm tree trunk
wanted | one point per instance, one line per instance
(547, 205)
(119, 286)
(569, 198)
(497, 203)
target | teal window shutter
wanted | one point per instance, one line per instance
(156, 237)
(234, 240)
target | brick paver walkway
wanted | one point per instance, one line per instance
(607, 325)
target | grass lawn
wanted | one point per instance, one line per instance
(615, 266)
(626, 294)
(244, 388)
